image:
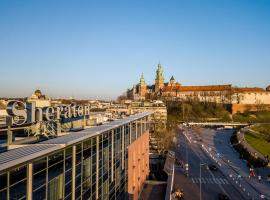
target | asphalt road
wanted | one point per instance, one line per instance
(210, 146)
(212, 182)
(231, 165)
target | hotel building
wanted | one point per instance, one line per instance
(110, 161)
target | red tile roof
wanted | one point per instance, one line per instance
(248, 89)
(197, 88)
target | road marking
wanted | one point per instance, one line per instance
(187, 137)
(192, 180)
(226, 181)
(216, 181)
(222, 181)
(203, 181)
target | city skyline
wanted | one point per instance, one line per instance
(92, 50)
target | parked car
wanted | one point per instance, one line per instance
(212, 167)
(268, 178)
(222, 196)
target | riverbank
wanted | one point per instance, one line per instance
(259, 138)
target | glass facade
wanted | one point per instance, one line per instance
(94, 168)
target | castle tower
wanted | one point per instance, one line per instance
(172, 81)
(159, 84)
(142, 87)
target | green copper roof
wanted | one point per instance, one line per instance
(159, 75)
(142, 81)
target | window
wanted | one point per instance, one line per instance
(57, 166)
(55, 188)
(17, 180)
(39, 177)
(87, 173)
(87, 149)
(68, 173)
(3, 186)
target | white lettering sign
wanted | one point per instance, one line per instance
(22, 113)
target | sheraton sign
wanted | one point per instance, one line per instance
(21, 112)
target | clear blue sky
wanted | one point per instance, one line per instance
(97, 49)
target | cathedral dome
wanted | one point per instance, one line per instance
(38, 93)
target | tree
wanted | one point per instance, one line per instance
(2, 106)
(122, 97)
(66, 101)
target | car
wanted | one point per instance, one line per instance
(222, 196)
(268, 178)
(212, 167)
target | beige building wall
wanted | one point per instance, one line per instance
(138, 165)
(251, 98)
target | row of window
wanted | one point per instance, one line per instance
(99, 169)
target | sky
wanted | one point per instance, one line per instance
(97, 49)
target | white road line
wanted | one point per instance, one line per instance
(187, 137)
(203, 181)
(219, 181)
(222, 181)
(192, 180)
(216, 181)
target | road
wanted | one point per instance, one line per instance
(212, 147)
(232, 166)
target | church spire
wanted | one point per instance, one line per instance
(159, 79)
(142, 81)
(159, 73)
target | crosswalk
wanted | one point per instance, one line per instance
(218, 181)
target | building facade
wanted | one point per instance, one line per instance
(158, 119)
(173, 90)
(39, 99)
(95, 163)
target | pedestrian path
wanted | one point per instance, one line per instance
(218, 181)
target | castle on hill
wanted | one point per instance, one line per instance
(225, 94)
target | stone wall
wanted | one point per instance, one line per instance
(249, 107)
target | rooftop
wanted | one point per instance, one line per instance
(197, 88)
(249, 89)
(26, 153)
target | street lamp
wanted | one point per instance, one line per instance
(187, 165)
(201, 164)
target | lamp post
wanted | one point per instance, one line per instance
(187, 165)
(201, 164)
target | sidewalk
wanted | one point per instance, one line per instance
(153, 190)
(254, 152)
(264, 172)
(182, 182)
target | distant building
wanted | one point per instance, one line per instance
(39, 99)
(225, 94)
(3, 113)
(158, 119)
